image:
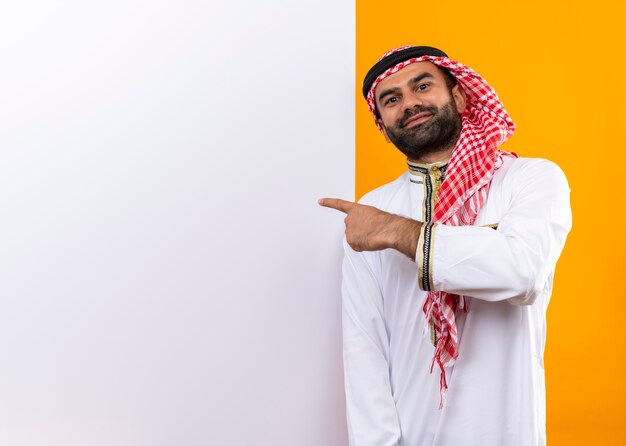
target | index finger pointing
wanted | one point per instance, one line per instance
(336, 203)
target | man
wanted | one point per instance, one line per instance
(444, 333)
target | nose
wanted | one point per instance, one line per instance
(412, 100)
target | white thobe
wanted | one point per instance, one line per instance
(496, 394)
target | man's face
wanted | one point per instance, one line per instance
(418, 112)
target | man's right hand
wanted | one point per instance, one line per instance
(370, 229)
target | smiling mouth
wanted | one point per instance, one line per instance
(417, 119)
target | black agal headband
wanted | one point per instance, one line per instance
(395, 58)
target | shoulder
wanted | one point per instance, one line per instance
(383, 196)
(517, 172)
(533, 165)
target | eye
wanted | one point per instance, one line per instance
(391, 100)
(422, 87)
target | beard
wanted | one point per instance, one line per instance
(438, 133)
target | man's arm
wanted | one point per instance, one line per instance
(371, 409)
(513, 262)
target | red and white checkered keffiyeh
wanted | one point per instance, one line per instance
(475, 158)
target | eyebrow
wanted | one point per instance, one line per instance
(419, 77)
(413, 81)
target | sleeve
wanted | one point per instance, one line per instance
(371, 409)
(513, 262)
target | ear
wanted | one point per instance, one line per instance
(382, 129)
(460, 98)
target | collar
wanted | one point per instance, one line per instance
(420, 168)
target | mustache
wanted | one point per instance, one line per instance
(408, 114)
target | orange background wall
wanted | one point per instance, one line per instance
(558, 67)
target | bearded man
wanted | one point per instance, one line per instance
(448, 270)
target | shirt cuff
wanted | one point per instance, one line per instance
(423, 256)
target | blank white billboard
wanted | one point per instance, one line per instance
(166, 276)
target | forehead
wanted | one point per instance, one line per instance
(403, 76)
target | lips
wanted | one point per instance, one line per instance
(417, 119)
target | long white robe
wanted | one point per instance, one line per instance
(496, 394)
